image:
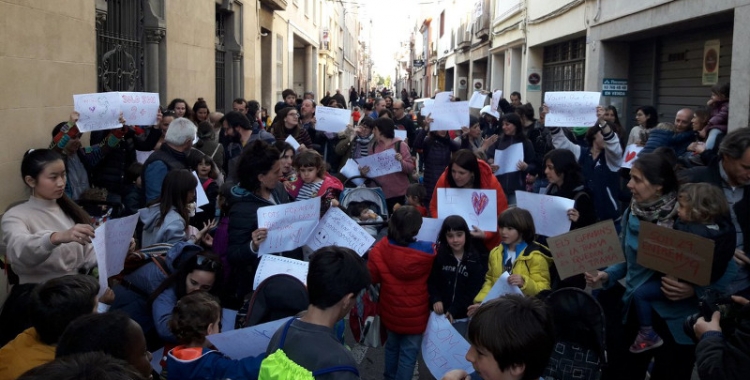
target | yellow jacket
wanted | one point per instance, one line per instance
(24, 353)
(532, 264)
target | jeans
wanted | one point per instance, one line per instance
(643, 296)
(401, 355)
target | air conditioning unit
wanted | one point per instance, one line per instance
(462, 81)
(478, 84)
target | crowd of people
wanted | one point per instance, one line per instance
(186, 263)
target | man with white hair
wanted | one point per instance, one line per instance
(172, 155)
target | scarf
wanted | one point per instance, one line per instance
(661, 211)
(360, 150)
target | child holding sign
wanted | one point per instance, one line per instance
(702, 210)
(314, 181)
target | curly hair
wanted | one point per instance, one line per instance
(192, 316)
(705, 203)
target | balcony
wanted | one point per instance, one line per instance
(482, 26)
(277, 5)
(463, 37)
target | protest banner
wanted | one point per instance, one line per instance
(245, 342)
(508, 159)
(430, 229)
(680, 254)
(571, 108)
(293, 142)
(141, 156)
(111, 242)
(381, 163)
(550, 213)
(330, 119)
(477, 100)
(631, 153)
(338, 229)
(449, 116)
(477, 206)
(140, 108)
(586, 249)
(501, 288)
(496, 96)
(98, 111)
(443, 348)
(288, 224)
(351, 169)
(270, 265)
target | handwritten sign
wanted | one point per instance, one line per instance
(477, 206)
(338, 229)
(246, 342)
(271, 265)
(140, 108)
(351, 169)
(550, 213)
(631, 153)
(508, 158)
(111, 243)
(141, 156)
(477, 100)
(449, 116)
(443, 348)
(496, 96)
(430, 229)
(331, 119)
(292, 141)
(381, 163)
(501, 288)
(571, 108)
(683, 255)
(586, 249)
(288, 224)
(98, 111)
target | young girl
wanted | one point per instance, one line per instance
(208, 175)
(314, 181)
(524, 259)
(457, 272)
(702, 210)
(719, 109)
(196, 316)
(415, 197)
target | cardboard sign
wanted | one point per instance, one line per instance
(443, 348)
(330, 119)
(586, 249)
(270, 265)
(140, 108)
(381, 163)
(288, 224)
(98, 111)
(477, 206)
(550, 213)
(338, 229)
(631, 153)
(449, 116)
(571, 108)
(508, 158)
(680, 254)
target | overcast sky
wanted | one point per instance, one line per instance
(392, 21)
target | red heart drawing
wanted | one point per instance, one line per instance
(479, 201)
(630, 156)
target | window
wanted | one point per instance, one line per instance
(220, 54)
(564, 65)
(442, 23)
(307, 8)
(119, 48)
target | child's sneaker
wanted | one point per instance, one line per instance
(646, 340)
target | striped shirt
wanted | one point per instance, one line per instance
(309, 190)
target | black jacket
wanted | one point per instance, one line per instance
(718, 358)
(455, 283)
(515, 180)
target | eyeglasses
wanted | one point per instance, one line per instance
(167, 113)
(207, 263)
(293, 114)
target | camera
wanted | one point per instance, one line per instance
(708, 304)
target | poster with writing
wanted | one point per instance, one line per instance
(449, 116)
(140, 108)
(443, 97)
(338, 229)
(508, 158)
(381, 163)
(270, 265)
(550, 213)
(141, 156)
(288, 224)
(443, 348)
(430, 229)
(249, 341)
(477, 100)
(571, 108)
(98, 111)
(680, 254)
(496, 96)
(111, 243)
(292, 141)
(631, 153)
(427, 107)
(477, 206)
(586, 249)
(331, 119)
(501, 288)
(351, 169)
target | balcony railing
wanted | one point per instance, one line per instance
(277, 5)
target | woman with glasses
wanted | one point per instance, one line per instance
(356, 141)
(287, 124)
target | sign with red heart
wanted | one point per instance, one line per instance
(631, 153)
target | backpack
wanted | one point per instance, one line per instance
(278, 366)
(155, 253)
(554, 275)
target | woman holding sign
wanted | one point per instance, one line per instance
(287, 124)
(512, 134)
(654, 186)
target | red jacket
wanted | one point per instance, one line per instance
(402, 272)
(488, 181)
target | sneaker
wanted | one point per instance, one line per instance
(645, 341)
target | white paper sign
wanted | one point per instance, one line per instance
(381, 163)
(401, 134)
(430, 229)
(200, 195)
(550, 213)
(449, 116)
(140, 108)
(631, 153)
(250, 341)
(477, 100)
(443, 348)
(507, 159)
(271, 265)
(111, 243)
(98, 111)
(141, 156)
(501, 288)
(228, 317)
(443, 97)
(427, 107)
(288, 224)
(338, 229)
(351, 169)
(571, 108)
(156, 359)
(330, 119)
(292, 141)
(477, 206)
(496, 95)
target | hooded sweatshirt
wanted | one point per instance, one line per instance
(171, 230)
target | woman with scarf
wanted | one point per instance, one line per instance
(654, 186)
(356, 141)
(512, 133)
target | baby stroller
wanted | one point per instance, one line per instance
(278, 296)
(373, 197)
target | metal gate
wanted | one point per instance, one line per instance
(220, 52)
(564, 66)
(119, 47)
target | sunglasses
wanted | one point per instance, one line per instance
(205, 262)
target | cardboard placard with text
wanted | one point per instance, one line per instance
(586, 249)
(686, 256)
